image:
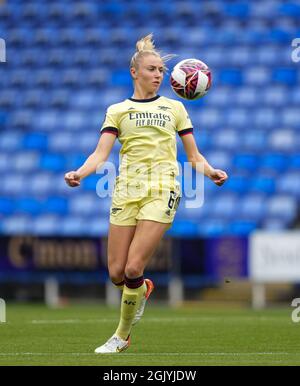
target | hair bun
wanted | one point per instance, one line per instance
(145, 44)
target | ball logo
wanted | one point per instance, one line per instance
(296, 312)
(296, 52)
(2, 311)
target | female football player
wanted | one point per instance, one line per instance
(146, 193)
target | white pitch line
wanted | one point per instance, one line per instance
(151, 354)
(145, 320)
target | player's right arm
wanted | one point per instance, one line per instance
(94, 161)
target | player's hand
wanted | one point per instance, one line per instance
(72, 179)
(218, 176)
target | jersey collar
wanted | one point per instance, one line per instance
(145, 100)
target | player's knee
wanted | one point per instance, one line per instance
(134, 270)
(116, 275)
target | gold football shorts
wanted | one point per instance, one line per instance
(156, 205)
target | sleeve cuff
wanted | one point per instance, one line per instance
(185, 132)
(111, 130)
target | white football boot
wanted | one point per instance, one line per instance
(114, 345)
(141, 309)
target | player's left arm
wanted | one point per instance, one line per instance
(199, 163)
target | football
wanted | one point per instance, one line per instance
(190, 79)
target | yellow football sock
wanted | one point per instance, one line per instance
(129, 304)
(120, 286)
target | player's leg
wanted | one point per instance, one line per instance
(146, 239)
(119, 240)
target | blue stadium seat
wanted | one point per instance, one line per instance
(22, 119)
(282, 140)
(220, 159)
(224, 206)
(208, 118)
(189, 228)
(47, 120)
(4, 161)
(61, 142)
(17, 224)
(254, 140)
(212, 227)
(231, 77)
(265, 118)
(87, 204)
(242, 227)
(287, 76)
(238, 183)
(20, 37)
(46, 225)
(252, 207)
(257, 76)
(52, 162)
(97, 226)
(33, 12)
(25, 161)
(240, 10)
(35, 141)
(289, 183)
(29, 205)
(294, 163)
(282, 206)
(42, 183)
(56, 205)
(7, 206)
(245, 96)
(14, 184)
(226, 139)
(262, 184)
(290, 117)
(275, 224)
(34, 98)
(246, 161)
(11, 141)
(9, 99)
(237, 118)
(274, 161)
(74, 120)
(291, 9)
(73, 225)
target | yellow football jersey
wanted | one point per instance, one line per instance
(147, 131)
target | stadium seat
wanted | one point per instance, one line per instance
(212, 227)
(242, 227)
(17, 224)
(274, 161)
(46, 225)
(35, 141)
(262, 184)
(252, 207)
(289, 183)
(25, 161)
(282, 206)
(29, 205)
(7, 206)
(11, 141)
(56, 205)
(282, 140)
(246, 161)
(52, 162)
(42, 183)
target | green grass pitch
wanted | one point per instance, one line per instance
(194, 335)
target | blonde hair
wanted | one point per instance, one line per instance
(146, 46)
